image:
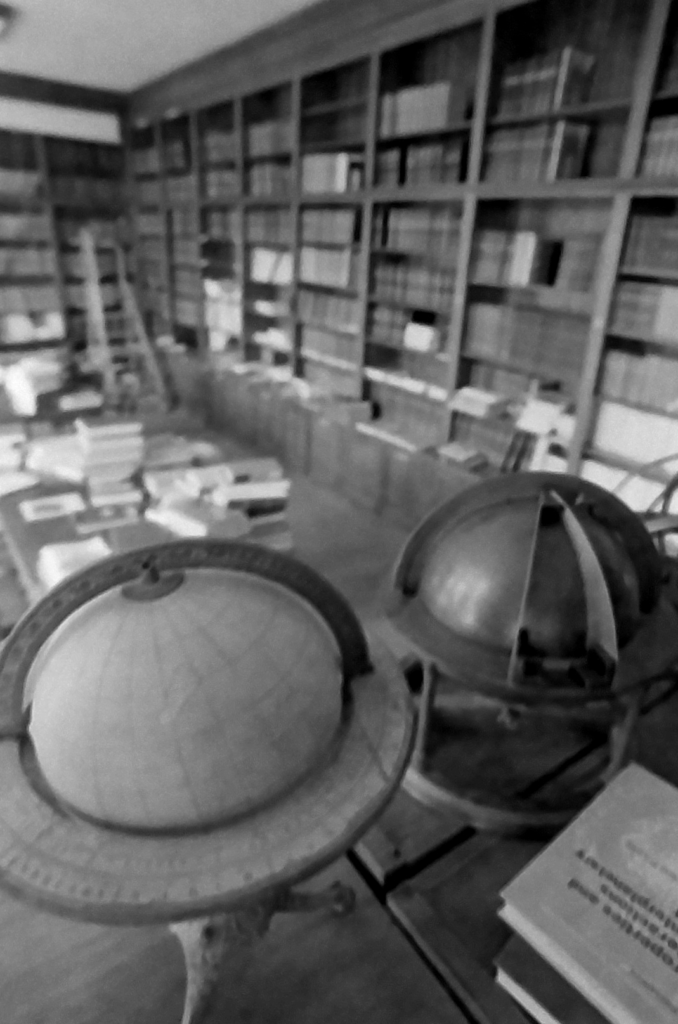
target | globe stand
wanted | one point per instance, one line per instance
(207, 942)
(618, 715)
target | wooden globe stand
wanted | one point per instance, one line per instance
(208, 942)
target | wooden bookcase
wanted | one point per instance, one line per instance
(472, 207)
(49, 188)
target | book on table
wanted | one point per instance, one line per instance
(539, 989)
(600, 903)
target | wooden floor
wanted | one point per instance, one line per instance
(309, 970)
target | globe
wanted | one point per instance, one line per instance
(188, 728)
(536, 572)
(186, 710)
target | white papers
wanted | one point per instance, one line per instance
(539, 417)
(58, 561)
(11, 482)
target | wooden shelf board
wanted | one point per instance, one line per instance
(670, 347)
(332, 198)
(274, 157)
(275, 199)
(451, 191)
(577, 111)
(574, 189)
(408, 306)
(331, 146)
(332, 106)
(665, 274)
(640, 406)
(314, 286)
(542, 297)
(332, 361)
(408, 138)
(320, 326)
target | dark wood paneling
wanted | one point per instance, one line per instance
(327, 33)
(43, 90)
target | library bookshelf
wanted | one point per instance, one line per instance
(492, 205)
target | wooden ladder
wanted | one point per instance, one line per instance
(138, 352)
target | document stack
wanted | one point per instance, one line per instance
(58, 561)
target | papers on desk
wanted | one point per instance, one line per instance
(58, 561)
(52, 506)
(196, 519)
(56, 456)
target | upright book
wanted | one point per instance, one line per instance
(600, 904)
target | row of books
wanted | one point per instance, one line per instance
(429, 230)
(20, 328)
(152, 248)
(270, 266)
(642, 379)
(81, 191)
(176, 155)
(435, 163)
(417, 287)
(25, 227)
(521, 258)
(335, 268)
(187, 311)
(511, 383)
(335, 226)
(218, 145)
(338, 311)
(347, 84)
(180, 189)
(337, 346)
(535, 341)
(186, 250)
(267, 179)
(183, 219)
(540, 152)
(272, 226)
(146, 160)
(34, 299)
(221, 183)
(150, 223)
(152, 272)
(269, 137)
(545, 83)
(329, 380)
(223, 224)
(645, 310)
(19, 184)
(27, 262)
(406, 415)
(660, 148)
(342, 127)
(332, 172)
(66, 156)
(652, 242)
(491, 437)
(148, 192)
(187, 281)
(386, 325)
(418, 109)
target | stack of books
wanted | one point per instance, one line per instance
(335, 268)
(111, 454)
(642, 379)
(269, 178)
(270, 266)
(594, 915)
(269, 137)
(339, 312)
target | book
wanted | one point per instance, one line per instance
(58, 561)
(540, 989)
(477, 403)
(106, 517)
(51, 507)
(600, 902)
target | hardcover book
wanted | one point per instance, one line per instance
(600, 904)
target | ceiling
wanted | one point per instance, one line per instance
(122, 44)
